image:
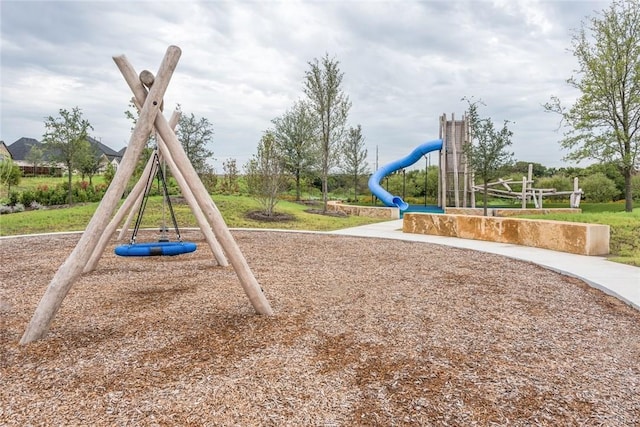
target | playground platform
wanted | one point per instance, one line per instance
(618, 280)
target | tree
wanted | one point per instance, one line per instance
(486, 152)
(265, 174)
(194, 135)
(35, 157)
(88, 160)
(10, 174)
(331, 105)
(229, 184)
(295, 133)
(354, 157)
(598, 188)
(64, 137)
(604, 121)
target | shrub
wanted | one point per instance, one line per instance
(4, 209)
(598, 188)
(19, 207)
(14, 197)
(559, 182)
(36, 206)
(27, 197)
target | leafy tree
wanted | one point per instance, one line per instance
(265, 174)
(331, 105)
(194, 135)
(109, 173)
(10, 174)
(598, 188)
(35, 157)
(522, 169)
(88, 160)
(295, 133)
(604, 122)
(229, 184)
(64, 138)
(354, 157)
(487, 151)
(611, 171)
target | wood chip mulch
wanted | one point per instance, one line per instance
(366, 332)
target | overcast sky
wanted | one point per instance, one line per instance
(405, 63)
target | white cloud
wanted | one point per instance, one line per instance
(243, 64)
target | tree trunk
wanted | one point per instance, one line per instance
(484, 197)
(628, 197)
(298, 185)
(355, 187)
(70, 194)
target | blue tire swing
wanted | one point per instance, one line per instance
(163, 247)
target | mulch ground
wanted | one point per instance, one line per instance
(365, 332)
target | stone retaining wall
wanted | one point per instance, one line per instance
(502, 212)
(573, 237)
(366, 211)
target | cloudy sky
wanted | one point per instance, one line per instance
(405, 63)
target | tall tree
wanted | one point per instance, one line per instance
(295, 133)
(322, 85)
(265, 174)
(604, 121)
(195, 135)
(89, 159)
(486, 152)
(64, 138)
(35, 157)
(354, 157)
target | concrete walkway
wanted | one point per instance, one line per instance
(619, 280)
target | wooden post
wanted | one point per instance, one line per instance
(188, 195)
(75, 263)
(454, 147)
(236, 258)
(130, 205)
(524, 192)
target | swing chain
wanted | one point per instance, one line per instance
(166, 198)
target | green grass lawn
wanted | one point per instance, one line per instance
(624, 241)
(234, 210)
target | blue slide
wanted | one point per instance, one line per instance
(374, 182)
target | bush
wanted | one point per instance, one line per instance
(19, 207)
(4, 209)
(598, 188)
(559, 182)
(27, 197)
(14, 197)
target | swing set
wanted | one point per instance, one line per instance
(148, 91)
(163, 246)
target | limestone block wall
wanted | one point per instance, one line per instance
(573, 237)
(367, 211)
(502, 212)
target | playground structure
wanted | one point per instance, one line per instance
(456, 183)
(148, 91)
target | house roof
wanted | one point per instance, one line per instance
(20, 149)
(110, 153)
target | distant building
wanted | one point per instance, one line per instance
(4, 152)
(19, 151)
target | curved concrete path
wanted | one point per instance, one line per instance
(619, 280)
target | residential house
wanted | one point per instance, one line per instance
(4, 152)
(19, 150)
